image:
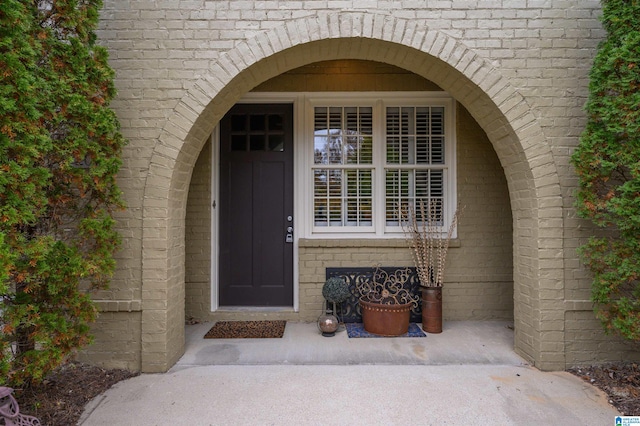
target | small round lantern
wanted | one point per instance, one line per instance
(328, 324)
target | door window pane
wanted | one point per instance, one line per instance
(256, 142)
(276, 143)
(238, 123)
(276, 122)
(256, 123)
(238, 143)
(257, 132)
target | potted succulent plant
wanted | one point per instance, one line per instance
(386, 303)
(422, 228)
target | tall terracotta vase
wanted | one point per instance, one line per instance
(432, 309)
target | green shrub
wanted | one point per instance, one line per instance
(607, 162)
(60, 150)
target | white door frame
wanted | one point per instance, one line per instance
(257, 98)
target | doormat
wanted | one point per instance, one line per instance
(356, 329)
(246, 330)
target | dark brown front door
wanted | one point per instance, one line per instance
(256, 206)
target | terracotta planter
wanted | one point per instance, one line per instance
(385, 320)
(432, 309)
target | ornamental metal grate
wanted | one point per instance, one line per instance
(10, 411)
(349, 310)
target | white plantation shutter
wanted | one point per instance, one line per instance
(415, 159)
(343, 166)
(375, 157)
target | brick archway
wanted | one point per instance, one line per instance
(499, 109)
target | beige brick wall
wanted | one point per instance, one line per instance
(520, 69)
(198, 239)
(587, 343)
(117, 341)
(479, 282)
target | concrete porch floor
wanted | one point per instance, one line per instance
(469, 374)
(461, 342)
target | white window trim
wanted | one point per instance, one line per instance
(377, 100)
(340, 100)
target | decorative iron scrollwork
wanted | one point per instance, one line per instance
(349, 310)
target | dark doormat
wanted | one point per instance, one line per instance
(246, 330)
(356, 329)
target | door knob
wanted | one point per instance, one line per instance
(289, 237)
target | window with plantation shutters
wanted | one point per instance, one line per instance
(343, 167)
(375, 156)
(415, 160)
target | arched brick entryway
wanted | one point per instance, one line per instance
(500, 110)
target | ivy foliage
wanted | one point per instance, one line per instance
(607, 162)
(60, 149)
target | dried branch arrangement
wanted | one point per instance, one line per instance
(428, 247)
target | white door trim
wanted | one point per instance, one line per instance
(257, 98)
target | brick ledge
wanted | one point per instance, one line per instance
(360, 242)
(119, 305)
(578, 305)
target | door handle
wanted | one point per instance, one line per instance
(289, 237)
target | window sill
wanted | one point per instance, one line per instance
(361, 242)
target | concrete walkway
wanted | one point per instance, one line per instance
(469, 375)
